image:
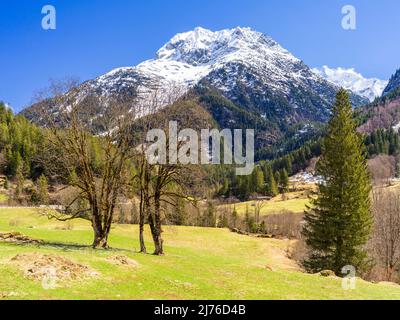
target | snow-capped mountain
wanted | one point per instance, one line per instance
(191, 56)
(352, 80)
(246, 66)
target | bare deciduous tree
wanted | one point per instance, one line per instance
(258, 205)
(160, 183)
(144, 169)
(385, 243)
(382, 168)
(96, 165)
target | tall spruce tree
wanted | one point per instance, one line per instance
(277, 176)
(20, 179)
(338, 222)
(43, 190)
(271, 186)
(257, 183)
(284, 181)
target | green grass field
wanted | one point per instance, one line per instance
(273, 206)
(200, 263)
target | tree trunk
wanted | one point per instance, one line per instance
(142, 215)
(155, 226)
(141, 230)
(144, 204)
(389, 272)
(100, 234)
(157, 239)
(158, 243)
(100, 240)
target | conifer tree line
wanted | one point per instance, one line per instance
(19, 145)
(383, 142)
(274, 171)
(19, 142)
(269, 178)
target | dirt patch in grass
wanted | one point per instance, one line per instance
(16, 237)
(327, 273)
(122, 260)
(12, 294)
(39, 266)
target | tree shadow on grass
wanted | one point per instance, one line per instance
(67, 246)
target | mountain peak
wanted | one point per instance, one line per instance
(202, 46)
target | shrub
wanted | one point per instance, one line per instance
(285, 224)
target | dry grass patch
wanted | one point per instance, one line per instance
(16, 237)
(39, 266)
(122, 260)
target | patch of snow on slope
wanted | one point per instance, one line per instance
(396, 127)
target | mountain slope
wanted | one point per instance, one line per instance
(383, 113)
(353, 81)
(394, 83)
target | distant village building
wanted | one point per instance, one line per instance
(306, 178)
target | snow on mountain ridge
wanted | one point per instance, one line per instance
(350, 79)
(191, 56)
(202, 46)
(188, 57)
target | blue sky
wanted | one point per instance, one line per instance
(95, 36)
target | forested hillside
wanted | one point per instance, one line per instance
(20, 142)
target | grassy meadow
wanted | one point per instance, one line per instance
(200, 263)
(293, 201)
